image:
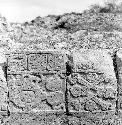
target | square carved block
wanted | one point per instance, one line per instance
(32, 92)
(37, 118)
(92, 85)
(47, 62)
(17, 63)
(91, 92)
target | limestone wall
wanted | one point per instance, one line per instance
(53, 87)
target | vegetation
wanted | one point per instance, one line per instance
(111, 6)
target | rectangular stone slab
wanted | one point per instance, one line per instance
(93, 88)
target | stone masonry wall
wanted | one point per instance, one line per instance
(52, 87)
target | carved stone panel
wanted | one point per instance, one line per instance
(47, 62)
(31, 92)
(87, 94)
(92, 85)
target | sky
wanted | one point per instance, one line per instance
(26, 10)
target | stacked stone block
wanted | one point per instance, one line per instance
(53, 87)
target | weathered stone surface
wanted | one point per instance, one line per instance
(2, 56)
(119, 76)
(34, 84)
(37, 82)
(3, 88)
(17, 62)
(119, 115)
(98, 118)
(36, 92)
(3, 117)
(50, 82)
(38, 118)
(48, 61)
(93, 60)
(93, 88)
(41, 61)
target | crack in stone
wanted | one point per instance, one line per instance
(117, 78)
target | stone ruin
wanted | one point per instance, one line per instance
(61, 75)
(54, 87)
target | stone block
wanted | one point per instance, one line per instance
(31, 92)
(93, 88)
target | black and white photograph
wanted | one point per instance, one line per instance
(60, 62)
